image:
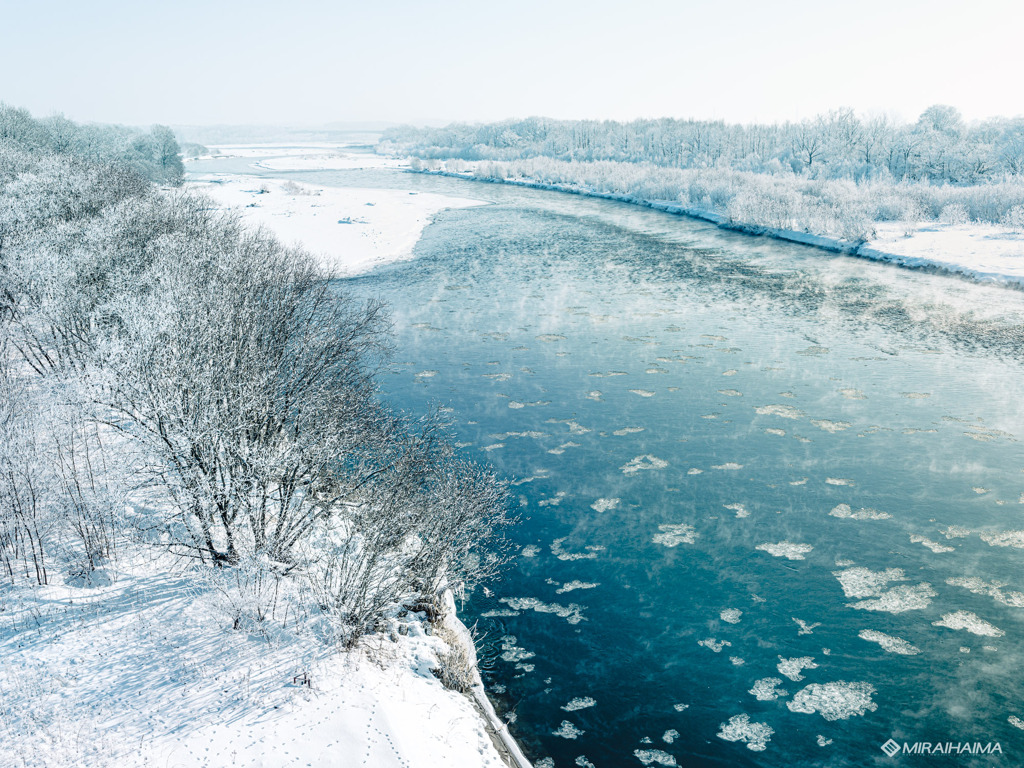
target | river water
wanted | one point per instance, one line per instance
(770, 497)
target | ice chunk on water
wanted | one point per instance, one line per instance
(774, 431)
(545, 762)
(580, 702)
(603, 505)
(530, 550)
(550, 337)
(568, 731)
(865, 513)
(512, 652)
(694, 471)
(730, 392)
(584, 763)
(852, 394)
(792, 667)
(569, 586)
(992, 589)
(739, 728)
(552, 501)
(831, 426)
(863, 582)
(786, 549)
(496, 613)
(767, 689)
(642, 392)
(572, 613)
(713, 644)
(739, 509)
(1015, 721)
(899, 599)
(822, 741)
(934, 546)
(784, 411)
(731, 615)
(627, 431)
(561, 449)
(834, 701)
(955, 532)
(727, 465)
(595, 394)
(674, 534)
(970, 622)
(640, 463)
(1004, 539)
(652, 756)
(670, 736)
(889, 643)
(838, 481)
(804, 627)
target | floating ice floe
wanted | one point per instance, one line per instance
(497, 376)
(863, 582)
(670, 736)
(739, 728)
(640, 463)
(915, 395)
(739, 509)
(530, 550)
(558, 551)
(603, 505)
(608, 374)
(1015, 721)
(737, 661)
(595, 394)
(582, 762)
(512, 652)
(561, 449)
(553, 500)
(493, 447)
(801, 481)
(831, 426)
(652, 756)
(731, 615)
(426, 374)
(844, 511)
(970, 622)
(805, 628)
(680, 707)
(822, 741)
(784, 411)
(792, 667)
(516, 405)
(545, 762)
(572, 613)
(889, 643)
(813, 351)
(955, 532)
(730, 392)
(694, 471)
(550, 337)
(899, 599)
(1013, 539)
(496, 613)
(568, 731)
(774, 431)
(992, 589)
(627, 431)
(852, 394)
(834, 701)
(714, 645)
(580, 702)
(838, 481)
(727, 465)
(570, 586)
(786, 549)
(730, 372)
(674, 534)
(642, 392)
(934, 546)
(574, 426)
(767, 689)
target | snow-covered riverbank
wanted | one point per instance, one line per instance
(146, 671)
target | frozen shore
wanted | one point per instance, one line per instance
(350, 230)
(982, 252)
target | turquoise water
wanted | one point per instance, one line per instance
(735, 461)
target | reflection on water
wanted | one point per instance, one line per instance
(771, 498)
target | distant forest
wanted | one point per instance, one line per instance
(836, 175)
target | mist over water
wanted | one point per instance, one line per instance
(770, 497)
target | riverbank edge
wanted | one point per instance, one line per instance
(822, 242)
(503, 741)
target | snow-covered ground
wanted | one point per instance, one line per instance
(147, 671)
(351, 230)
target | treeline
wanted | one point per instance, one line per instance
(938, 147)
(169, 376)
(835, 176)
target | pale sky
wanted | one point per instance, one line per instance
(311, 62)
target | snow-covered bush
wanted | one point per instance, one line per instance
(1014, 218)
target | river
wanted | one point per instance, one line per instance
(770, 497)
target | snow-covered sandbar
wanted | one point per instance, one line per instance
(351, 230)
